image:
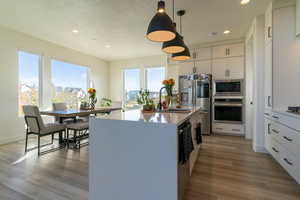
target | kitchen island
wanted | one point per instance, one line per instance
(140, 156)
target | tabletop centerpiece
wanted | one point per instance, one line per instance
(169, 84)
(92, 98)
(144, 99)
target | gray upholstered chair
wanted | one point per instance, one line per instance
(36, 126)
(80, 132)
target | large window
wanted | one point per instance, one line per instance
(131, 87)
(29, 68)
(70, 83)
(154, 79)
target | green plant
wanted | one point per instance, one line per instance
(144, 99)
(106, 102)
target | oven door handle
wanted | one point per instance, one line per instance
(228, 104)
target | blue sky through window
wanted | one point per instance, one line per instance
(132, 79)
(69, 75)
(29, 68)
(155, 77)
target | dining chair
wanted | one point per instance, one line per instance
(36, 126)
(80, 132)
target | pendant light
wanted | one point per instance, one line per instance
(161, 27)
(184, 55)
(176, 45)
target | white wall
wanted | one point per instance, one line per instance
(12, 126)
(116, 72)
(256, 34)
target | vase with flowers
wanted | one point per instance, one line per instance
(169, 84)
(92, 98)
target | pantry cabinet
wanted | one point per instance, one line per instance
(269, 24)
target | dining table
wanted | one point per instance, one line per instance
(61, 115)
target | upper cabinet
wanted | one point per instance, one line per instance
(225, 51)
(202, 53)
(201, 67)
(269, 24)
(228, 68)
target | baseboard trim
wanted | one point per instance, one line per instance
(260, 149)
(11, 140)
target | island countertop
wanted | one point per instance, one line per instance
(156, 117)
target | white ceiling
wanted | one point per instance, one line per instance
(123, 23)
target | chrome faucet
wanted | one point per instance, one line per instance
(159, 106)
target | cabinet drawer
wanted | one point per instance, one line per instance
(274, 149)
(289, 138)
(290, 163)
(236, 129)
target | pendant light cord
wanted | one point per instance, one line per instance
(173, 11)
(180, 26)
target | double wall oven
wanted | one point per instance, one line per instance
(228, 101)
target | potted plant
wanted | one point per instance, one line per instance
(106, 102)
(144, 99)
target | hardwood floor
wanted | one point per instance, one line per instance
(227, 169)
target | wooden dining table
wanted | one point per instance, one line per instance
(74, 113)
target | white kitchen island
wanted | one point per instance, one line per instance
(134, 156)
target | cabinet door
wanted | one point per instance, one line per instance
(235, 50)
(186, 68)
(219, 67)
(220, 52)
(235, 66)
(268, 138)
(226, 51)
(269, 24)
(268, 76)
(203, 53)
(203, 67)
(228, 68)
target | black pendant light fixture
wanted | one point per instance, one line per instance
(161, 27)
(176, 45)
(184, 55)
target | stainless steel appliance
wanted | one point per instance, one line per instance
(227, 110)
(228, 87)
(196, 90)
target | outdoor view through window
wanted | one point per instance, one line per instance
(132, 84)
(70, 83)
(29, 65)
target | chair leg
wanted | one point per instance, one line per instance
(52, 138)
(79, 140)
(39, 145)
(68, 143)
(26, 142)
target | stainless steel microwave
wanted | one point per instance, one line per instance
(228, 87)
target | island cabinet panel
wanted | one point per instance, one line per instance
(132, 160)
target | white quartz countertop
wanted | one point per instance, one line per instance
(284, 112)
(156, 117)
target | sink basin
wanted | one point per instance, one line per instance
(176, 110)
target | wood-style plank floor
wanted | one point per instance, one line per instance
(227, 169)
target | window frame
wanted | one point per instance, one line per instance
(39, 77)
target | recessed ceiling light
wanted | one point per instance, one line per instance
(107, 46)
(75, 31)
(244, 2)
(226, 32)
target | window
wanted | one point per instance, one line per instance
(29, 68)
(70, 83)
(131, 87)
(154, 79)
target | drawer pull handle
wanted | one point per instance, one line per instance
(275, 117)
(288, 162)
(267, 114)
(236, 130)
(275, 131)
(274, 149)
(288, 139)
(219, 128)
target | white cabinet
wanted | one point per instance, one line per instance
(268, 75)
(185, 68)
(232, 129)
(203, 67)
(282, 140)
(226, 51)
(203, 53)
(228, 68)
(269, 24)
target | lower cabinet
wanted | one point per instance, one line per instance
(232, 129)
(282, 141)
